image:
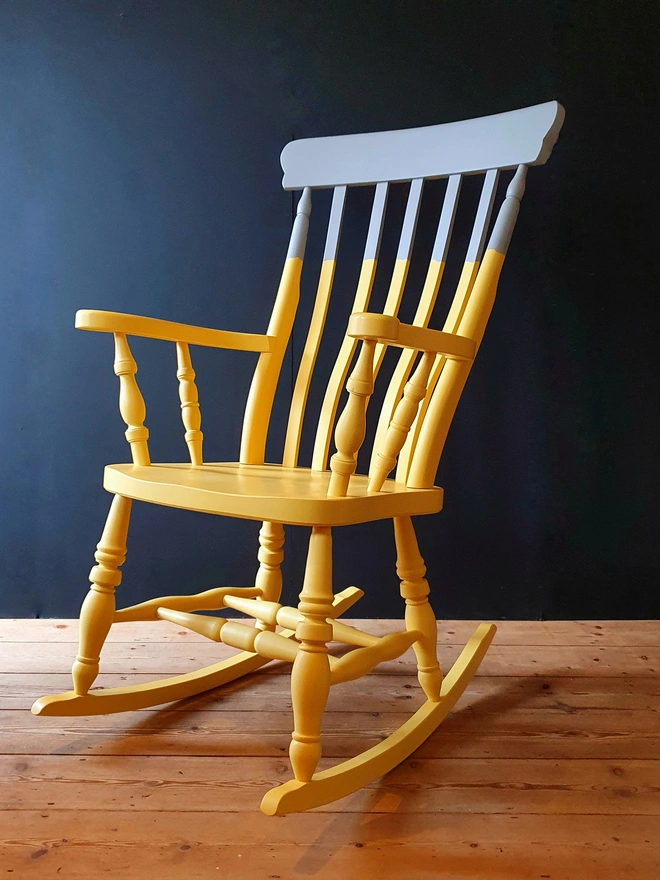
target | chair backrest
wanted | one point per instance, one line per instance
(485, 146)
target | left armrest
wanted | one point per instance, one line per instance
(170, 331)
(390, 331)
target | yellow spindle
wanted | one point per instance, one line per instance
(402, 419)
(419, 614)
(190, 412)
(361, 661)
(98, 609)
(352, 424)
(310, 676)
(270, 556)
(131, 402)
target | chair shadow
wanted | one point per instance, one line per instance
(319, 853)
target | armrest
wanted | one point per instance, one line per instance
(170, 331)
(390, 331)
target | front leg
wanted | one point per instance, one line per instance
(310, 676)
(98, 609)
(419, 614)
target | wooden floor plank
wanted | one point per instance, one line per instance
(193, 784)
(154, 659)
(353, 860)
(509, 632)
(262, 692)
(333, 829)
(545, 734)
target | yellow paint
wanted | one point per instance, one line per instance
(340, 371)
(444, 399)
(404, 366)
(347, 777)
(267, 372)
(153, 693)
(392, 303)
(451, 325)
(287, 494)
(169, 331)
(304, 378)
(294, 496)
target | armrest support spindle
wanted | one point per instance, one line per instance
(190, 412)
(131, 403)
(404, 415)
(352, 425)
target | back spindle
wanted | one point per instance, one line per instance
(348, 345)
(445, 397)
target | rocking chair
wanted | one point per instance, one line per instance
(414, 420)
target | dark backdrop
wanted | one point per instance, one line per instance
(139, 172)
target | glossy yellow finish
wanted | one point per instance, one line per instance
(347, 777)
(340, 370)
(307, 361)
(412, 427)
(352, 425)
(98, 609)
(190, 413)
(170, 331)
(267, 373)
(179, 687)
(445, 396)
(400, 422)
(296, 496)
(451, 325)
(390, 331)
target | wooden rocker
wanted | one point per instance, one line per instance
(418, 407)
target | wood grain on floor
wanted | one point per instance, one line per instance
(548, 768)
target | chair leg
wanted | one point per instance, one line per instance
(270, 556)
(310, 676)
(98, 609)
(419, 614)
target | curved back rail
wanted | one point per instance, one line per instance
(420, 401)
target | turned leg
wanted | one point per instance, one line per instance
(270, 556)
(419, 614)
(310, 676)
(98, 609)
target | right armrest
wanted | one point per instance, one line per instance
(389, 330)
(170, 331)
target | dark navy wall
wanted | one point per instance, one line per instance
(139, 172)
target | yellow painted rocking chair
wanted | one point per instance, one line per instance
(418, 408)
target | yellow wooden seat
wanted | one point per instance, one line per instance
(415, 416)
(291, 496)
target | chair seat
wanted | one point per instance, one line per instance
(296, 496)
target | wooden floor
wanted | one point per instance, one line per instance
(548, 768)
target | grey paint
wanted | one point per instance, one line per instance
(334, 223)
(482, 218)
(410, 220)
(503, 140)
(300, 229)
(446, 222)
(376, 220)
(508, 213)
